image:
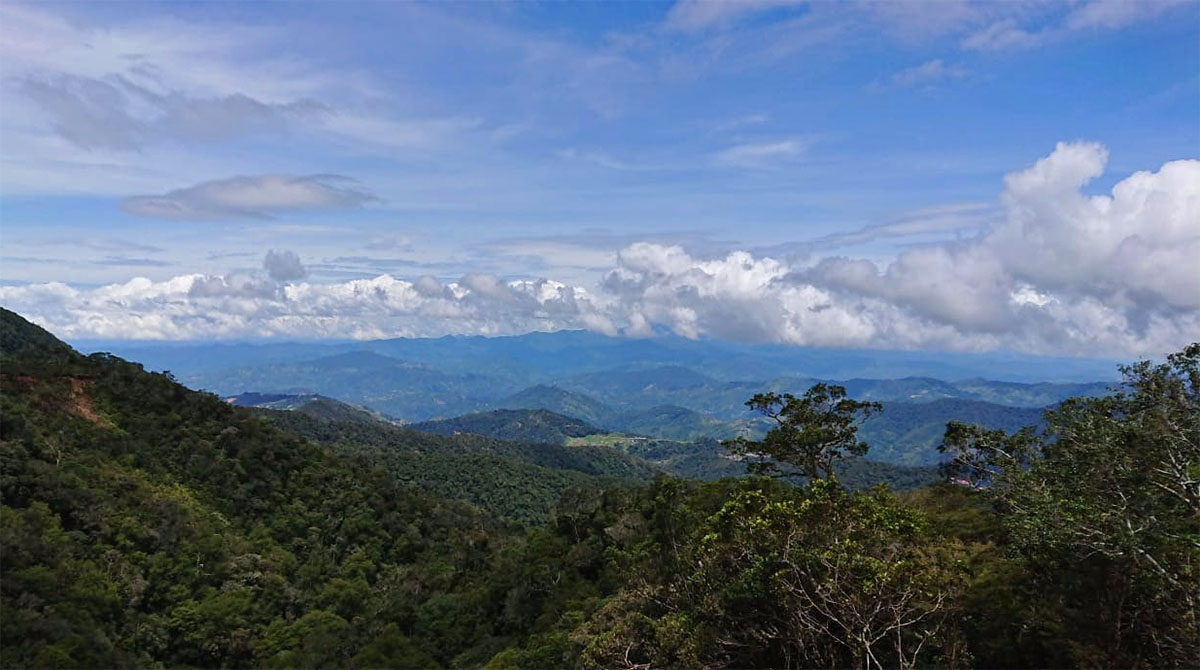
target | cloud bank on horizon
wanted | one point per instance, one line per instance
(776, 171)
(1063, 272)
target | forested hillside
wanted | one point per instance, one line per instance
(144, 524)
(517, 480)
(900, 433)
(314, 405)
(537, 425)
(537, 434)
(147, 524)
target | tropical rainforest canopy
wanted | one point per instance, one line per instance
(147, 525)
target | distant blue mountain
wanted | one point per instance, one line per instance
(540, 357)
(664, 386)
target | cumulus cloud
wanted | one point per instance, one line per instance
(197, 306)
(1062, 272)
(250, 197)
(279, 267)
(283, 266)
(1054, 270)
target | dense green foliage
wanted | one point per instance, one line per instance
(392, 439)
(1108, 495)
(444, 468)
(19, 338)
(143, 523)
(146, 525)
(517, 480)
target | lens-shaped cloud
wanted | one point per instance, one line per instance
(250, 197)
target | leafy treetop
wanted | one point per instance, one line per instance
(811, 432)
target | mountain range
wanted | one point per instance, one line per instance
(667, 388)
(538, 357)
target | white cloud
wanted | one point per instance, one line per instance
(160, 54)
(1112, 14)
(284, 266)
(114, 113)
(978, 24)
(198, 306)
(960, 218)
(1003, 34)
(249, 197)
(537, 254)
(1127, 260)
(928, 19)
(124, 85)
(693, 15)
(1061, 272)
(1057, 271)
(112, 104)
(927, 73)
(1009, 32)
(760, 154)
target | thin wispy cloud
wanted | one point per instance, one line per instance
(691, 15)
(957, 219)
(929, 72)
(115, 113)
(1006, 33)
(761, 154)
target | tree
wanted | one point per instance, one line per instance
(1110, 493)
(810, 434)
(855, 577)
(786, 577)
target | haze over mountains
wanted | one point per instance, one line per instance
(542, 355)
(664, 388)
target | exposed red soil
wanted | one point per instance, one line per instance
(82, 406)
(78, 404)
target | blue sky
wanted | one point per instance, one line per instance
(718, 169)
